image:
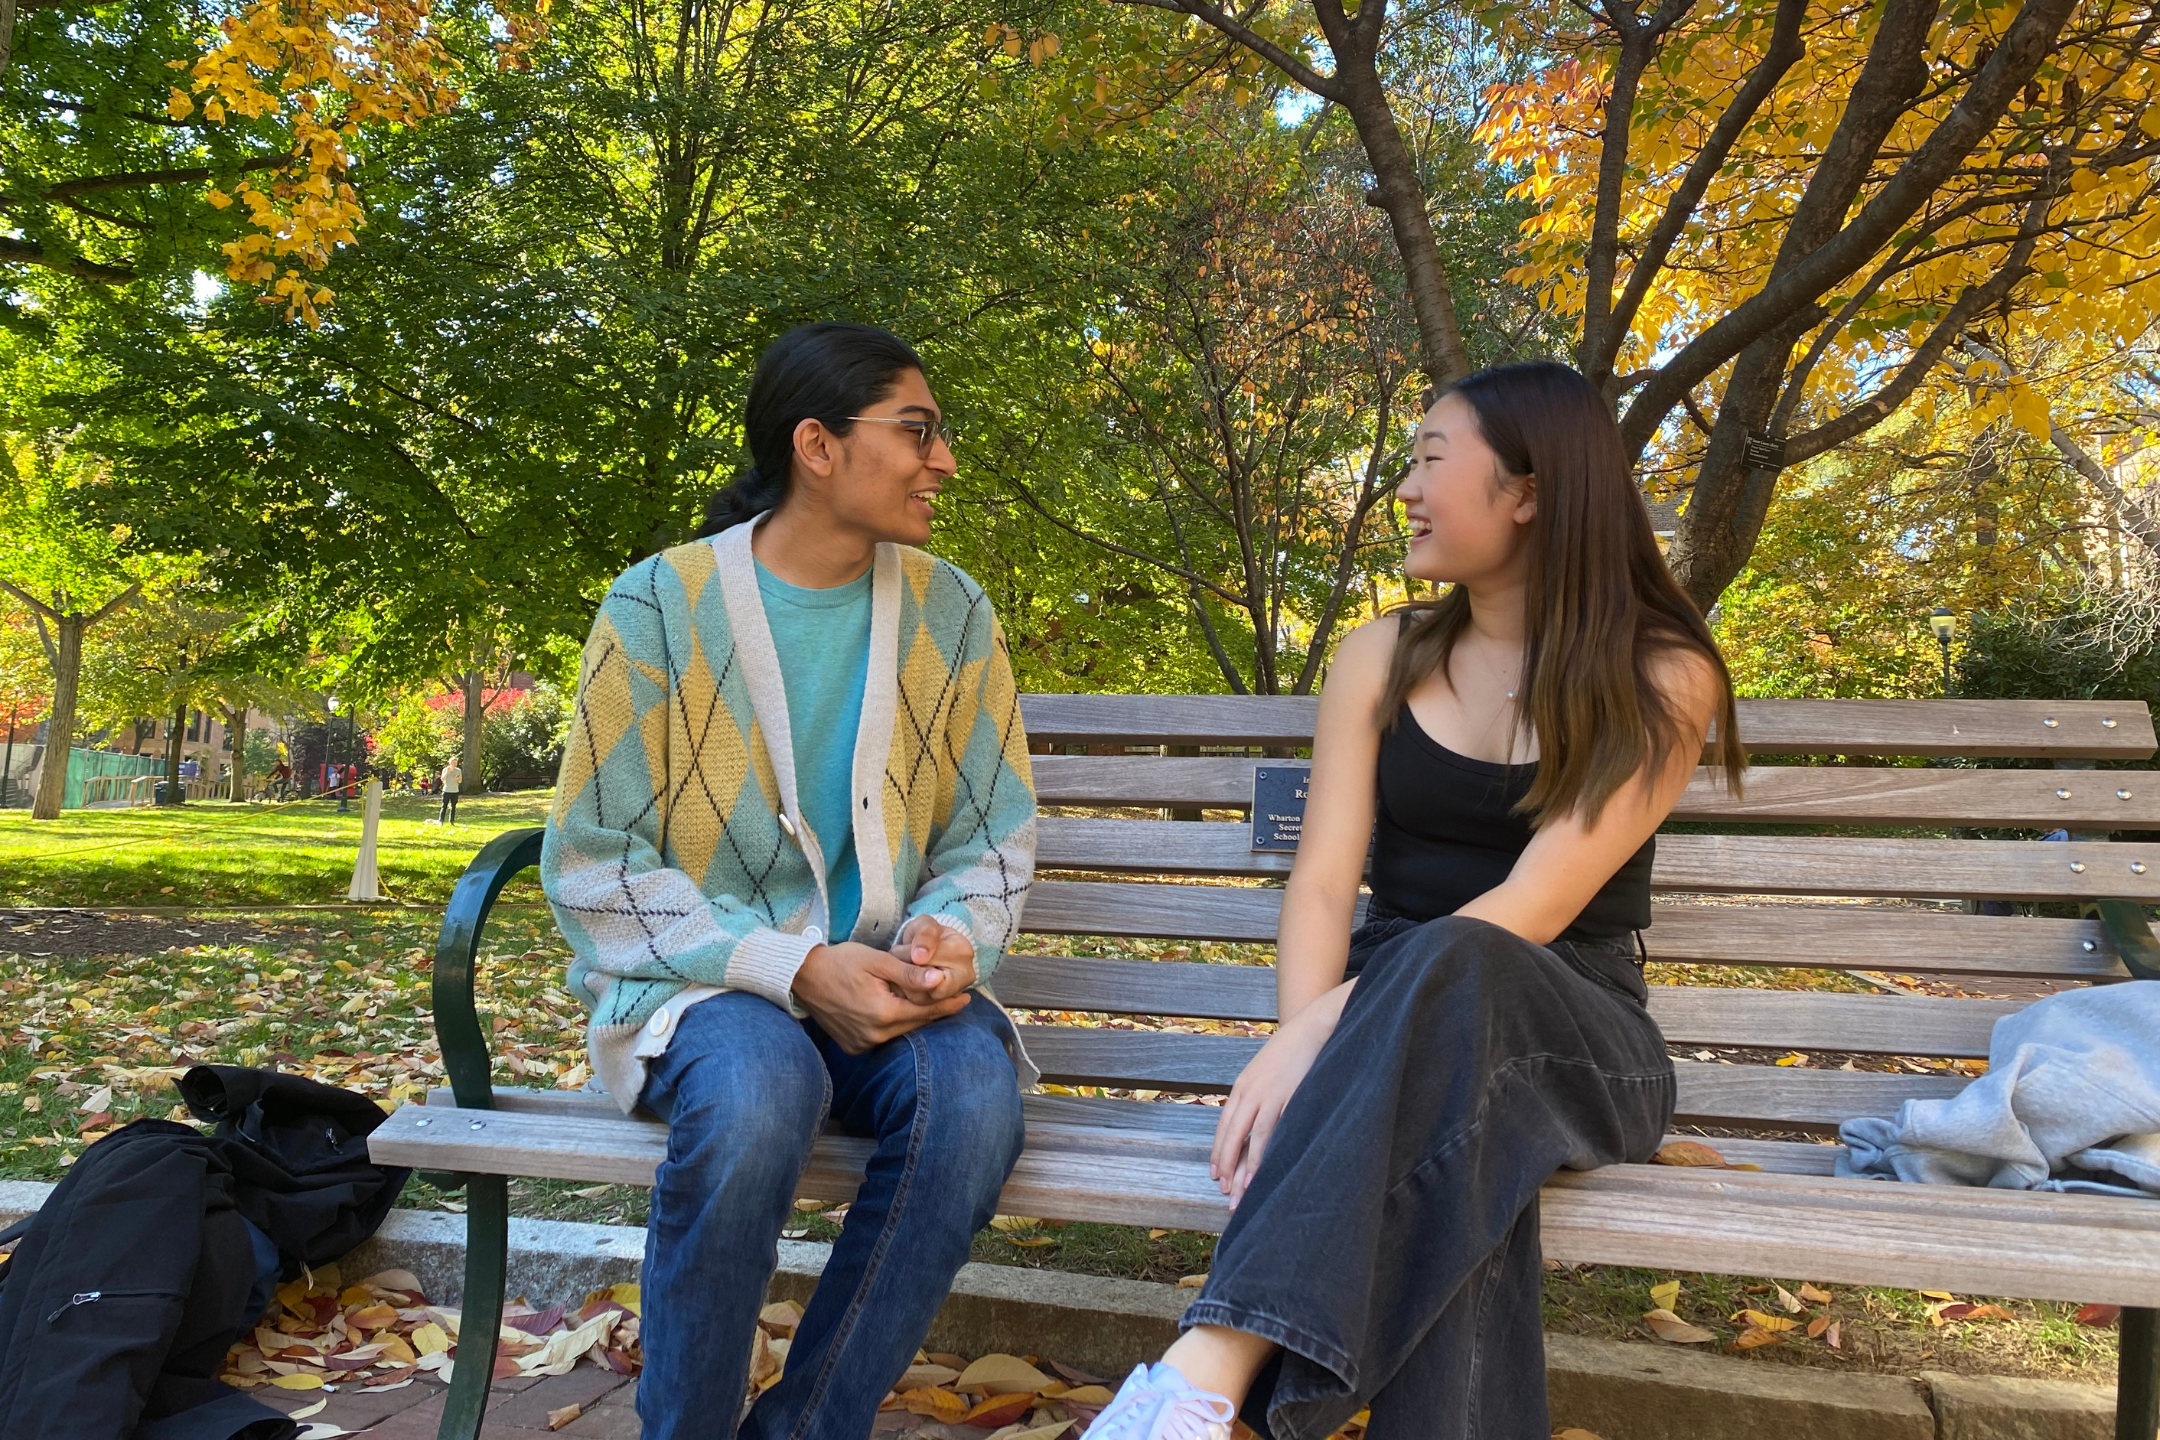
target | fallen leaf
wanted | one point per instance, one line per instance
(430, 1339)
(782, 1317)
(1000, 1410)
(2100, 1317)
(373, 1317)
(1576, 1432)
(764, 1365)
(1966, 1311)
(298, 1382)
(1786, 1300)
(998, 1374)
(1010, 1223)
(1672, 1329)
(1814, 1296)
(403, 1281)
(565, 1348)
(935, 1403)
(1037, 1432)
(1763, 1321)
(1753, 1336)
(556, 1419)
(316, 1409)
(1686, 1152)
(1192, 1282)
(1938, 1295)
(1830, 1336)
(1087, 1395)
(1031, 1242)
(1816, 1326)
(946, 1357)
(1156, 1234)
(1665, 1296)
(917, 1376)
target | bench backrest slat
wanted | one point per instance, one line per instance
(1689, 1015)
(1710, 1093)
(1702, 864)
(1996, 728)
(1800, 794)
(1832, 937)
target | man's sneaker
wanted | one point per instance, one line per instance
(1160, 1404)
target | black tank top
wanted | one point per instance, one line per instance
(1447, 833)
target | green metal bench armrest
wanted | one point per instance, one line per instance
(2124, 921)
(457, 962)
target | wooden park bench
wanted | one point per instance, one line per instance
(1138, 1162)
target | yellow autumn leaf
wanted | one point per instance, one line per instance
(297, 1382)
(1665, 1296)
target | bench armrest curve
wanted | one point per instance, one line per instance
(457, 962)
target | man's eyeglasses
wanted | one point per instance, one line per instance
(926, 433)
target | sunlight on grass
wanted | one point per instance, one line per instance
(213, 854)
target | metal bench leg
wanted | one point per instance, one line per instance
(487, 1255)
(2137, 1376)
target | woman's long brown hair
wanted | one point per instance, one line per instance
(1602, 605)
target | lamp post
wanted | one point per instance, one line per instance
(1944, 625)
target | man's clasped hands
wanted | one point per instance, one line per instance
(863, 996)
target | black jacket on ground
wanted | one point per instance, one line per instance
(133, 1280)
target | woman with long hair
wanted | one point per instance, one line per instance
(1509, 750)
(793, 830)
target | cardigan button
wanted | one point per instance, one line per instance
(661, 1022)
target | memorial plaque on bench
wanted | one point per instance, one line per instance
(1278, 805)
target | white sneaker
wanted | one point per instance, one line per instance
(1162, 1405)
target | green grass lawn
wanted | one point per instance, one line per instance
(212, 854)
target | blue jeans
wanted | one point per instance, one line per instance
(745, 1091)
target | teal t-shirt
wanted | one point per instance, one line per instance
(822, 638)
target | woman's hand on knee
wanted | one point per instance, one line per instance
(1257, 1099)
(864, 996)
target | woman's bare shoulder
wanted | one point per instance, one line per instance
(1690, 681)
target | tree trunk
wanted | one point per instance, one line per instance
(172, 755)
(7, 33)
(236, 717)
(474, 715)
(1398, 191)
(67, 678)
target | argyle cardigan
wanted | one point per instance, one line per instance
(677, 860)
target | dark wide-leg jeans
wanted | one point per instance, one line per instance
(1389, 1241)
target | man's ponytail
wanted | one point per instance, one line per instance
(750, 496)
(829, 373)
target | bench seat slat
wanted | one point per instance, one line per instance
(1801, 794)
(1702, 864)
(1990, 728)
(1690, 1015)
(1858, 937)
(1848, 1232)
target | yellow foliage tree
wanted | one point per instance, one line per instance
(323, 72)
(1778, 224)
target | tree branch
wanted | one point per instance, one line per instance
(25, 252)
(2024, 45)
(1322, 85)
(1976, 300)
(1784, 52)
(136, 179)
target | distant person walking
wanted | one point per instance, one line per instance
(452, 778)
